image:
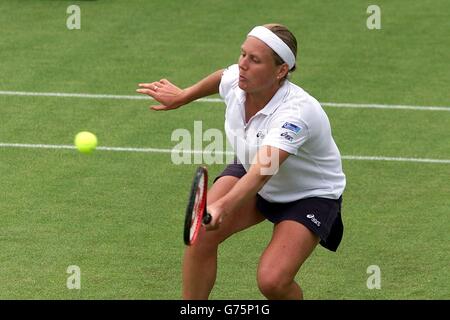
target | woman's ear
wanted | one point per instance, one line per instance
(283, 71)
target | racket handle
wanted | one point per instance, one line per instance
(207, 218)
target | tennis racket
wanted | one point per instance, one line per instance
(196, 210)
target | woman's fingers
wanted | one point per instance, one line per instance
(145, 91)
(159, 108)
(154, 86)
(162, 91)
(148, 85)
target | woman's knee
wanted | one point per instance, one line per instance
(272, 282)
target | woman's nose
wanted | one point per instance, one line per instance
(243, 63)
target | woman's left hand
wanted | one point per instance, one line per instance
(169, 95)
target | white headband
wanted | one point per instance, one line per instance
(275, 43)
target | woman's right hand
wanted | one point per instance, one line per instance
(165, 92)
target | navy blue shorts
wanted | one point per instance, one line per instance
(320, 215)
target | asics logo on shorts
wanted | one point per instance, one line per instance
(313, 219)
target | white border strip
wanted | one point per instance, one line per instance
(140, 97)
(157, 150)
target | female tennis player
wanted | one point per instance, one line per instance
(287, 170)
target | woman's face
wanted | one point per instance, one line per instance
(257, 69)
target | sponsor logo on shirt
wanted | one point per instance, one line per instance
(292, 127)
(260, 135)
(287, 136)
(313, 219)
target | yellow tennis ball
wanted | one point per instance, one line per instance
(85, 141)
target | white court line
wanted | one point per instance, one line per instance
(158, 150)
(141, 97)
(368, 158)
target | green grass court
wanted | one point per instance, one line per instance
(119, 215)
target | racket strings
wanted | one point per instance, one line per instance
(196, 206)
(199, 204)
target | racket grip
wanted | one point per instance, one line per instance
(207, 218)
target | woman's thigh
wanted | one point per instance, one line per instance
(243, 218)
